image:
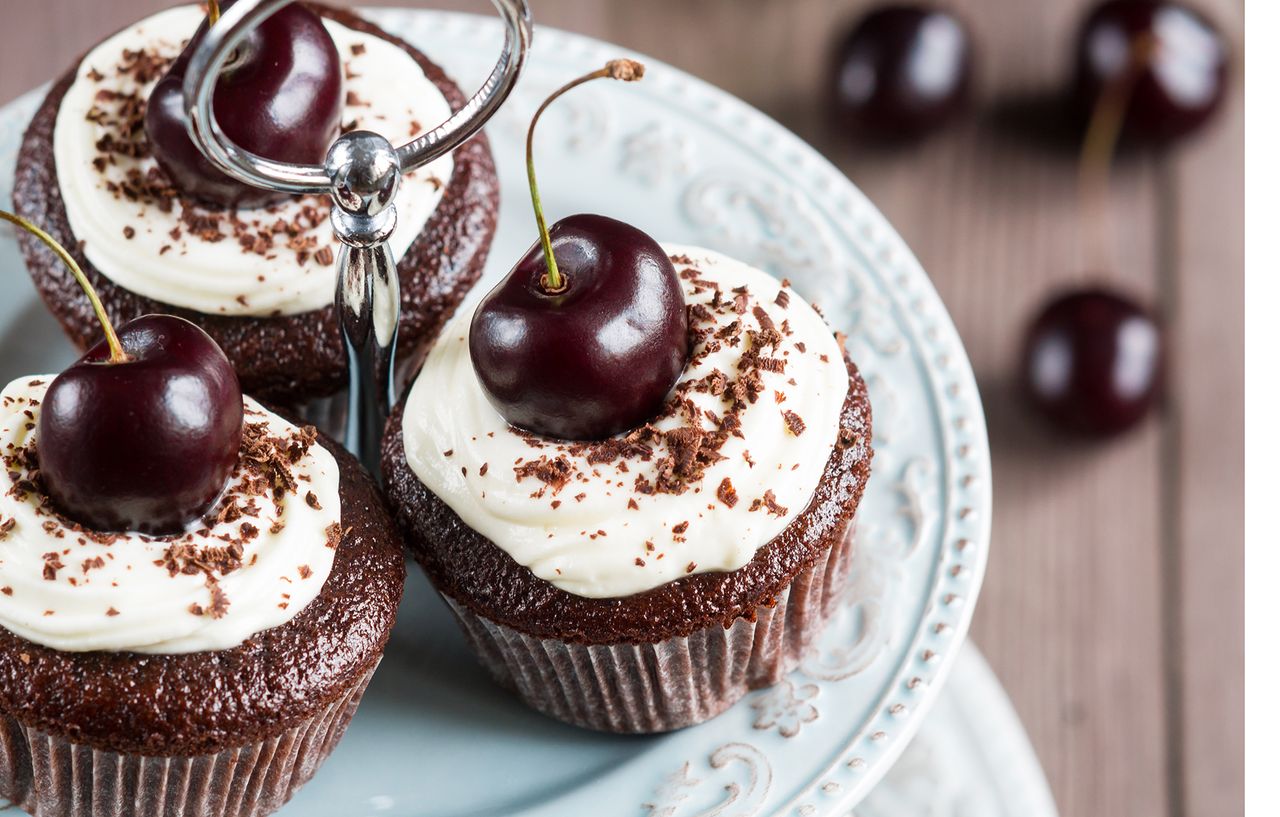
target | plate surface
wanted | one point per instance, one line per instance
(689, 164)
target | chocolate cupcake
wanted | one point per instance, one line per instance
(259, 281)
(645, 582)
(208, 672)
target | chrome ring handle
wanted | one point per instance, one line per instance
(361, 173)
(236, 23)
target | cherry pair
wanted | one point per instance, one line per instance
(906, 70)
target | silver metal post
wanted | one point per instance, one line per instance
(362, 173)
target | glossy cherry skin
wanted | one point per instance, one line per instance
(1181, 85)
(280, 97)
(902, 72)
(599, 357)
(146, 445)
(1093, 362)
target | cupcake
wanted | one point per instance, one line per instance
(205, 672)
(645, 581)
(258, 276)
(194, 591)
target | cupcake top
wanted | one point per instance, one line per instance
(259, 556)
(732, 460)
(276, 260)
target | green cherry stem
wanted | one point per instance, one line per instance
(113, 341)
(622, 69)
(1100, 140)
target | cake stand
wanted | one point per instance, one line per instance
(688, 163)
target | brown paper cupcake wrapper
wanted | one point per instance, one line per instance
(48, 776)
(669, 684)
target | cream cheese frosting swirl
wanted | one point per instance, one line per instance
(258, 558)
(277, 260)
(736, 455)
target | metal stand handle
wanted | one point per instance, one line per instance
(362, 174)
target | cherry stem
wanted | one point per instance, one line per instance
(1099, 148)
(113, 340)
(214, 12)
(622, 69)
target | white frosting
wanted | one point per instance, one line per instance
(121, 596)
(394, 98)
(586, 538)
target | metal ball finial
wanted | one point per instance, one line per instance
(365, 171)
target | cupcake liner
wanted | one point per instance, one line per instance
(669, 684)
(49, 776)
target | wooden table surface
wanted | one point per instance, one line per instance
(1113, 606)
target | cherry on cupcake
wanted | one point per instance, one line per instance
(1165, 63)
(143, 432)
(903, 71)
(588, 333)
(279, 96)
(1093, 362)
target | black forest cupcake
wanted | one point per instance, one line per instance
(259, 280)
(644, 582)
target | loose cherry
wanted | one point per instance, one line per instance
(143, 431)
(587, 334)
(280, 96)
(902, 72)
(1093, 362)
(1167, 61)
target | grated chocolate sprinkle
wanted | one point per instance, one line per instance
(726, 493)
(794, 424)
(553, 473)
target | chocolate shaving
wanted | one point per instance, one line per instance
(726, 493)
(555, 473)
(333, 536)
(219, 602)
(52, 564)
(770, 503)
(794, 424)
(187, 559)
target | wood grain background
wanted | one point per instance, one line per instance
(1113, 608)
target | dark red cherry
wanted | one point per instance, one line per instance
(598, 357)
(1093, 362)
(903, 71)
(280, 96)
(587, 334)
(1177, 84)
(145, 445)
